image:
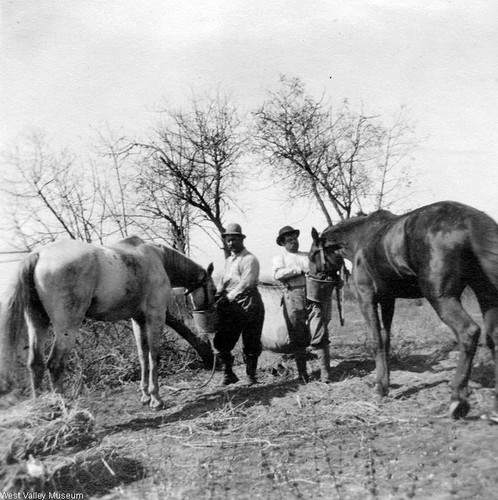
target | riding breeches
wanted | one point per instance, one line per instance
(319, 314)
(243, 316)
(296, 316)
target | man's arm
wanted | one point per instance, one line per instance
(282, 272)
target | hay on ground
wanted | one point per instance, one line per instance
(43, 427)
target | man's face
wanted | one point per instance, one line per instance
(291, 243)
(235, 243)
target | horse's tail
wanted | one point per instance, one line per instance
(484, 243)
(21, 298)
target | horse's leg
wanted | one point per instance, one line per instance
(65, 338)
(488, 301)
(154, 329)
(491, 329)
(139, 330)
(467, 331)
(370, 312)
(37, 334)
(387, 310)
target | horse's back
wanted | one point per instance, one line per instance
(100, 282)
(446, 227)
(433, 247)
(131, 279)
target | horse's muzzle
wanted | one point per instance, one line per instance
(205, 321)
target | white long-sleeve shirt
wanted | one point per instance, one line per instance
(241, 272)
(290, 267)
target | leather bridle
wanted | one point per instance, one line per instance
(204, 283)
(323, 258)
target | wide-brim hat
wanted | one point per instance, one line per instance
(284, 231)
(234, 229)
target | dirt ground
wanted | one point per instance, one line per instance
(284, 440)
(280, 439)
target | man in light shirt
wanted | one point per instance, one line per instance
(307, 321)
(240, 308)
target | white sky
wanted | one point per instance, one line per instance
(71, 67)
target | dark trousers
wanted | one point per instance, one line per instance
(243, 316)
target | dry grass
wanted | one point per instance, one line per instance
(278, 439)
(52, 445)
(43, 427)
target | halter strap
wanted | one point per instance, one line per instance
(204, 284)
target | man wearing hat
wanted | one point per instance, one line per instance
(240, 308)
(290, 267)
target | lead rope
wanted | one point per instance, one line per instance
(197, 387)
(339, 291)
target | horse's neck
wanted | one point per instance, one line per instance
(361, 232)
(181, 270)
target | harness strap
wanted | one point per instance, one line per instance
(204, 284)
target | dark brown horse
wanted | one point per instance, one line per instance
(432, 252)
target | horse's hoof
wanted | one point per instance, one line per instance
(158, 405)
(459, 409)
(380, 391)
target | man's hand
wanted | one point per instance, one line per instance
(221, 299)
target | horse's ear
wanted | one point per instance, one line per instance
(314, 235)
(210, 269)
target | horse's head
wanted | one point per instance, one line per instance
(325, 261)
(202, 295)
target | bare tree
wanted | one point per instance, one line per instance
(49, 197)
(52, 195)
(162, 205)
(117, 172)
(393, 172)
(192, 163)
(335, 157)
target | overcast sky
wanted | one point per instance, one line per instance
(71, 67)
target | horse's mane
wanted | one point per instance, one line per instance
(177, 264)
(178, 261)
(352, 222)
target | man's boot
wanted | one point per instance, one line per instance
(229, 376)
(323, 355)
(251, 362)
(302, 374)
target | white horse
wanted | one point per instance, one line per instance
(62, 283)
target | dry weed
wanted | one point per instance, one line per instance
(45, 429)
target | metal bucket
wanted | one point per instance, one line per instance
(318, 290)
(205, 321)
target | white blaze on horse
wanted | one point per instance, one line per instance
(64, 282)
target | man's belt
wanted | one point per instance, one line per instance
(294, 287)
